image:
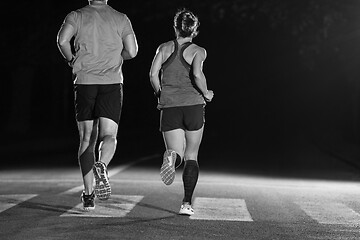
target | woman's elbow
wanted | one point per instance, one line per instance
(61, 41)
(152, 75)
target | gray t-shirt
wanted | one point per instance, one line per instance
(99, 33)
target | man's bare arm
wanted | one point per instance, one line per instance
(130, 47)
(64, 36)
(154, 71)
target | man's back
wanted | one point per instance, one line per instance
(103, 39)
(99, 33)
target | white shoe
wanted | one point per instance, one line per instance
(186, 209)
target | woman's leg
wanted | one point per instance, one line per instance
(193, 141)
(174, 143)
(191, 168)
(174, 140)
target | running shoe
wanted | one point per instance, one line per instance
(102, 184)
(88, 201)
(186, 209)
(167, 171)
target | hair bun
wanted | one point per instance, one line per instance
(186, 23)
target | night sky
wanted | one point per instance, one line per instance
(281, 71)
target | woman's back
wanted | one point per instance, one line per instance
(177, 82)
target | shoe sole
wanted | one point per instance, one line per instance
(102, 184)
(167, 170)
(87, 209)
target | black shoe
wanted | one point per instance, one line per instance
(88, 201)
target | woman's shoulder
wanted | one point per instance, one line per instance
(198, 49)
(166, 45)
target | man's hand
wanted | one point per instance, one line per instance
(209, 95)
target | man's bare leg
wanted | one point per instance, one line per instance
(88, 132)
(107, 134)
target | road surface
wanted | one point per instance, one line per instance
(43, 203)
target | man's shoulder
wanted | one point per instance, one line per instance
(88, 8)
(79, 11)
(83, 9)
(116, 12)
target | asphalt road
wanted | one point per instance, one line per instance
(229, 203)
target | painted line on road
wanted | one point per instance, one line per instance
(11, 200)
(330, 212)
(112, 172)
(221, 209)
(117, 206)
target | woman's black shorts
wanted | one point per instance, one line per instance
(189, 118)
(94, 101)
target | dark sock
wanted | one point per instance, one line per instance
(86, 161)
(190, 177)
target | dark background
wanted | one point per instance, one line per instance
(285, 74)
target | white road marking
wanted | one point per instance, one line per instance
(117, 206)
(330, 212)
(9, 201)
(221, 209)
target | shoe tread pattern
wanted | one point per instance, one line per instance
(102, 184)
(167, 171)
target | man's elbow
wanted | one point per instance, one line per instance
(133, 52)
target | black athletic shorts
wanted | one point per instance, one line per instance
(94, 101)
(189, 118)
